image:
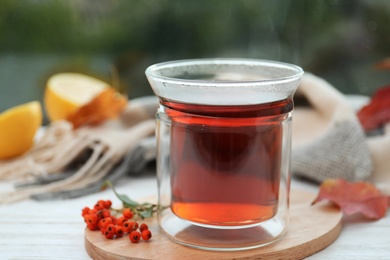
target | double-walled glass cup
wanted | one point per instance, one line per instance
(223, 144)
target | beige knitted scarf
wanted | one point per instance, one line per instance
(93, 152)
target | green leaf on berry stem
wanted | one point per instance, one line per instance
(147, 213)
(127, 202)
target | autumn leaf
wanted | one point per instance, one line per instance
(377, 112)
(358, 197)
(107, 105)
(383, 64)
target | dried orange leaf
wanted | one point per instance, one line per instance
(377, 112)
(107, 105)
(359, 197)
(383, 64)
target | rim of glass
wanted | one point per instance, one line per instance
(151, 71)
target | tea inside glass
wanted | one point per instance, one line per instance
(224, 137)
(225, 161)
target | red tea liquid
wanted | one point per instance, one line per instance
(225, 161)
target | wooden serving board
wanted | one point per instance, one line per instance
(311, 229)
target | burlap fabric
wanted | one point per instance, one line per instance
(328, 140)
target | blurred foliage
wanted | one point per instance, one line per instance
(339, 40)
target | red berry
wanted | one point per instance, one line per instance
(92, 227)
(93, 211)
(128, 226)
(127, 213)
(114, 220)
(120, 221)
(110, 231)
(120, 231)
(135, 226)
(146, 234)
(91, 219)
(103, 223)
(102, 203)
(105, 203)
(106, 213)
(85, 211)
(98, 206)
(143, 227)
(108, 204)
(109, 235)
(134, 236)
(111, 228)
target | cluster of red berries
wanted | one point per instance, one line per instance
(100, 218)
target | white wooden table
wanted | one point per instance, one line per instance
(55, 229)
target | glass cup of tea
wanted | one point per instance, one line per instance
(223, 150)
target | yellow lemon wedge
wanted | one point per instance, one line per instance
(18, 126)
(67, 92)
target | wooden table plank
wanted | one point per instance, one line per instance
(55, 229)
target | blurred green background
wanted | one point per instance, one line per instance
(339, 40)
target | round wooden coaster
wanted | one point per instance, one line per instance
(311, 229)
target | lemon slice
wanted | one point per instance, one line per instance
(66, 92)
(18, 126)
